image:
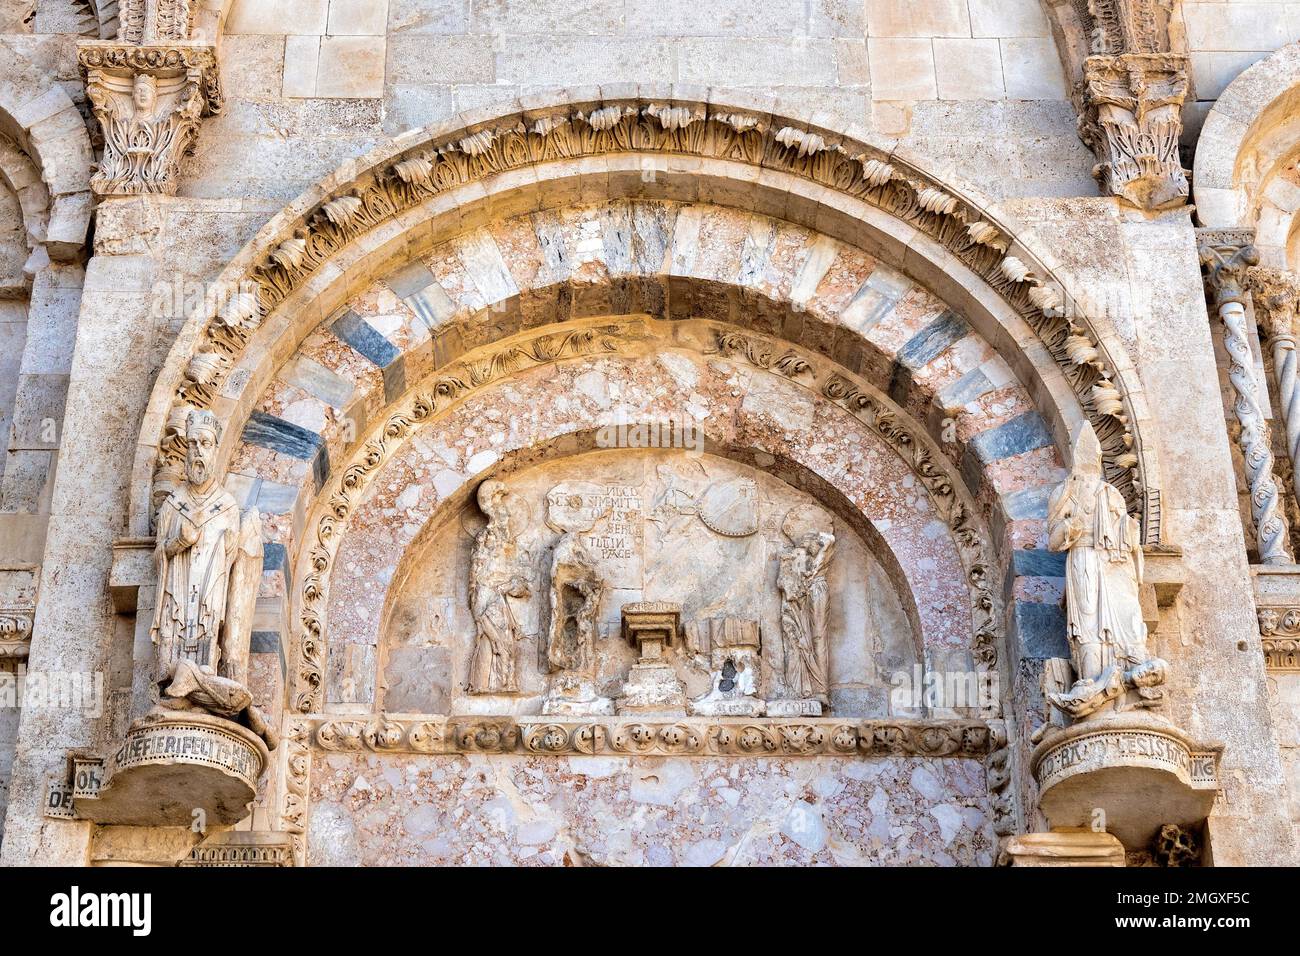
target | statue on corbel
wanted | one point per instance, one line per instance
(198, 754)
(1088, 520)
(209, 560)
(1107, 743)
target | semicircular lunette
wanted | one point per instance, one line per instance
(871, 435)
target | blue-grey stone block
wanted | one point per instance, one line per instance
(409, 279)
(395, 379)
(274, 556)
(1038, 563)
(1040, 630)
(1028, 502)
(1015, 437)
(318, 381)
(932, 341)
(966, 389)
(320, 467)
(365, 338)
(270, 431)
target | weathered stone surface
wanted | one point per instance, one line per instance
(784, 314)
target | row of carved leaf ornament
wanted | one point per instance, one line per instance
(756, 737)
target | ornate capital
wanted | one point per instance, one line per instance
(1226, 256)
(148, 100)
(1276, 293)
(1130, 115)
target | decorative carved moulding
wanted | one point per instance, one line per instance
(152, 21)
(167, 768)
(1137, 769)
(1130, 116)
(1127, 26)
(16, 631)
(284, 262)
(242, 848)
(1227, 256)
(806, 737)
(1277, 600)
(148, 100)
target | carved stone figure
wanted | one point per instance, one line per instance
(499, 571)
(734, 647)
(1107, 635)
(576, 590)
(804, 604)
(209, 560)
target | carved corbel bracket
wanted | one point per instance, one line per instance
(148, 100)
(1162, 581)
(1130, 108)
(1227, 256)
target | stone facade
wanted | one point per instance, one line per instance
(636, 433)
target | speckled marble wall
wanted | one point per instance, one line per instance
(576, 811)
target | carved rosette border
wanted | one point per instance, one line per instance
(461, 379)
(16, 632)
(804, 737)
(1279, 631)
(683, 128)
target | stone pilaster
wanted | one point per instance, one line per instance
(148, 100)
(1130, 108)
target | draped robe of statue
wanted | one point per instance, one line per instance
(805, 600)
(499, 571)
(1087, 518)
(209, 560)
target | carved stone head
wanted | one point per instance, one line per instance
(202, 439)
(144, 93)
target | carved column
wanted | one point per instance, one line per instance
(1226, 256)
(1276, 295)
(148, 100)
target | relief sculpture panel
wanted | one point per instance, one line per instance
(643, 582)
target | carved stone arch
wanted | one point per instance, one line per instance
(462, 173)
(31, 200)
(449, 397)
(1247, 153)
(40, 118)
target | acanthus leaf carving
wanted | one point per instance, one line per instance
(1130, 115)
(148, 101)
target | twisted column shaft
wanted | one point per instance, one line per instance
(1226, 265)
